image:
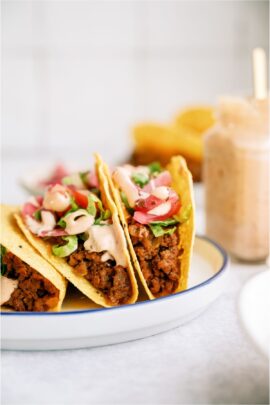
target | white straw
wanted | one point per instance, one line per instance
(259, 74)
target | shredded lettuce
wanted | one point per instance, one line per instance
(166, 222)
(124, 199)
(3, 251)
(73, 179)
(74, 205)
(62, 222)
(91, 208)
(96, 200)
(155, 168)
(106, 214)
(67, 180)
(126, 203)
(68, 248)
(37, 215)
(158, 230)
(141, 179)
(84, 177)
(95, 191)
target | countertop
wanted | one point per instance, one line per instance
(206, 361)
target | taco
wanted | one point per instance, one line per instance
(28, 282)
(75, 227)
(156, 209)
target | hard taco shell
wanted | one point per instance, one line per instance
(14, 241)
(182, 184)
(60, 264)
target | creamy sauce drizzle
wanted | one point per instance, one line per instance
(7, 286)
(108, 238)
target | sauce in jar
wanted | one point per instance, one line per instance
(236, 176)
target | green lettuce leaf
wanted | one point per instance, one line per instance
(67, 180)
(141, 179)
(3, 251)
(126, 203)
(91, 208)
(158, 230)
(74, 205)
(95, 191)
(73, 179)
(84, 177)
(96, 200)
(37, 215)
(62, 222)
(155, 168)
(166, 222)
(68, 248)
(106, 214)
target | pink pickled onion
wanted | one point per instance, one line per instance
(147, 204)
(144, 218)
(29, 208)
(56, 176)
(93, 179)
(39, 199)
(163, 179)
(143, 208)
(53, 233)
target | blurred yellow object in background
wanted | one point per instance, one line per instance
(197, 118)
(183, 136)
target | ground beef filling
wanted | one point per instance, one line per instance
(158, 258)
(112, 280)
(34, 292)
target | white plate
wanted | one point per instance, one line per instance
(76, 327)
(254, 305)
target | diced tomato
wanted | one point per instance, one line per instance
(163, 179)
(80, 199)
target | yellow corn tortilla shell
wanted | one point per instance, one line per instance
(167, 140)
(60, 264)
(182, 184)
(198, 118)
(110, 204)
(14, 241)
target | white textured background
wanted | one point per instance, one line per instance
(76, 75)
(79, 73)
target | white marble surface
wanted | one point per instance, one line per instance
(207, 361)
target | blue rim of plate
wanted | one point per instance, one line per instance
(168, 297)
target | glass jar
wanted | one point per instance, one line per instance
(236, 177)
